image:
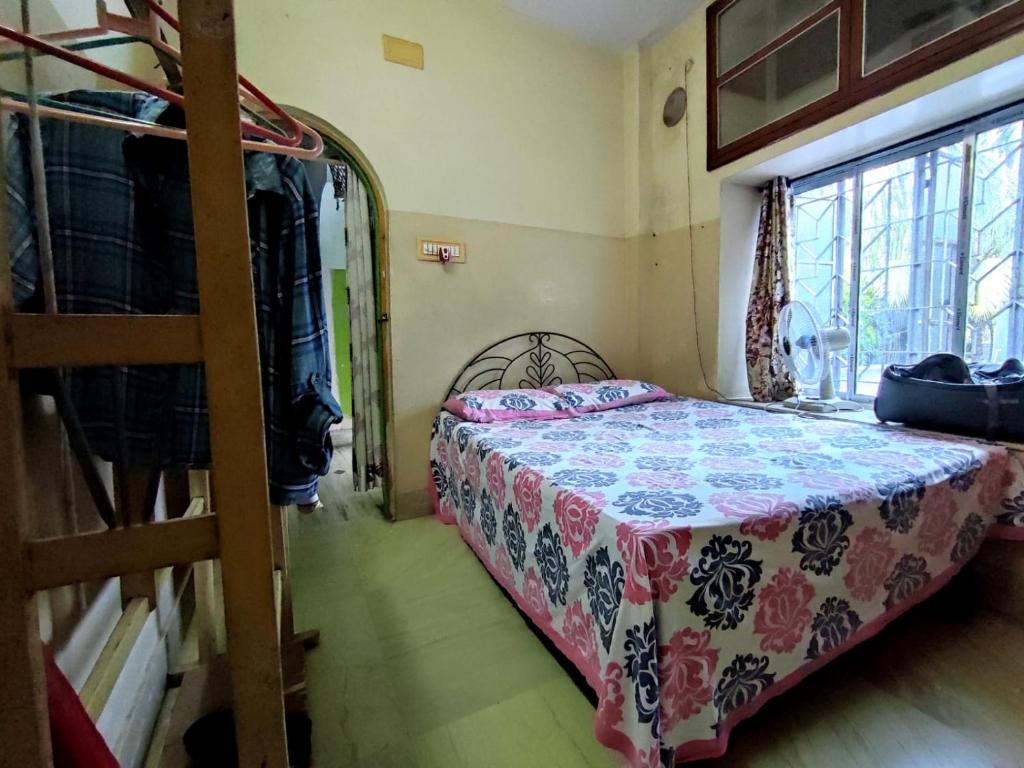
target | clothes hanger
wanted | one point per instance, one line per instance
(290, 142)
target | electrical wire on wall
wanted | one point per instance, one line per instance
(689, 230)
(693, 270)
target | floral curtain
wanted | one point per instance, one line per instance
(367, 418)
(769, 293)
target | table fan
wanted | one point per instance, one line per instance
(805, 347)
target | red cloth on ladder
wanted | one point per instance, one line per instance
(76, 742)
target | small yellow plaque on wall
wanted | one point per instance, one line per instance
(445, 251)
(403, 52)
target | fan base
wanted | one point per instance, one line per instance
(821, 405)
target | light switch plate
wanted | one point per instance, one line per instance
(428, 249)
(404, 52)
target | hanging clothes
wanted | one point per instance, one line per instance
(769, 293)
(367, 421)
(75, 740)
(121, 228)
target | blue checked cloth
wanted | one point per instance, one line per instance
(121, 227)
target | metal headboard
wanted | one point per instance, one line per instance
(530, 361)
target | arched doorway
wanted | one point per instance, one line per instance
(338, 148)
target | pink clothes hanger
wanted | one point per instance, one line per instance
(289, 143)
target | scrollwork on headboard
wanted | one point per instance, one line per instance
(531, 361)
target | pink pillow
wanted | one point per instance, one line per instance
(603, 395)
(485, 405)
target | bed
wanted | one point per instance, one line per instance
(694, 559)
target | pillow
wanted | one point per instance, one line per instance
(487, 405)
(602, 395)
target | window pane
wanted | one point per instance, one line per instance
(894, 29)
(909, 221)
(820, 264)
(746, 26)
(797, 74)
(995, 320)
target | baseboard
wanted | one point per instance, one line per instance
(411, 504)
(999, 573)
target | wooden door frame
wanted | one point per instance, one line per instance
(337, 143)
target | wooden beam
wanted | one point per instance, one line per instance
(233, 377)
(53, 341)
(107, 669)
(105, 554)
(161, 730)
(279, 536)
(25, 723)
(196, 507)
(130, 492)
(140, 10)
(203, 580)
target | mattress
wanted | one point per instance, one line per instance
(694, 559)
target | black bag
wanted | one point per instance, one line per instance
(944, 393)
(210, 740)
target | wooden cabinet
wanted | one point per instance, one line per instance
(777, 66)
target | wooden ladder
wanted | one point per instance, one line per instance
(223, 336)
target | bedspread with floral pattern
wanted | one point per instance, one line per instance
(694, 559)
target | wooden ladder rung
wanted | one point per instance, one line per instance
(136, 549)
(51, 341)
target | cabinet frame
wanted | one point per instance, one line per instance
(854, 86)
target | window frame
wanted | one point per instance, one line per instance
(855, 86)
(852, 172)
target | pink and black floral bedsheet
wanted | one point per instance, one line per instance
(694, 559)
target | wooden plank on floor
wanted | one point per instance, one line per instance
(128, 720)
(158, 741)
(233, 378)
(104, 554)
(52, 341)
(100, 683)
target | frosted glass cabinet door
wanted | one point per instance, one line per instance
(747, 26)
(894, 29)
(799, 73)
(775, 67)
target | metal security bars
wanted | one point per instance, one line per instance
(918, 249)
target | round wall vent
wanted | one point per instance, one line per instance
(675, 107)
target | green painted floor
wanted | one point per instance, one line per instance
(422, 661)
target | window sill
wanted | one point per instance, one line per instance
(865, 416)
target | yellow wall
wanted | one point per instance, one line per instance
(516, 279)
(512, 139)
(54, 75)
(508, 122)
(547, 156)
(663, 245)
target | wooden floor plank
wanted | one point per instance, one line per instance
(105, 672)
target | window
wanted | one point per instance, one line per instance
(775, 67)
(918, 249)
